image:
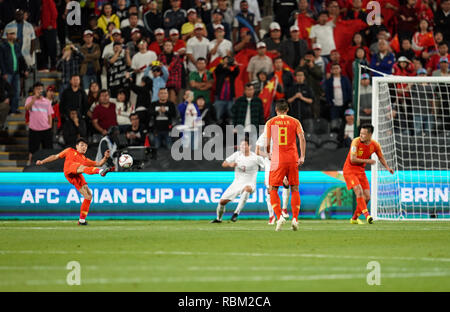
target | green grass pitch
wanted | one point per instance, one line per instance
(244, 256)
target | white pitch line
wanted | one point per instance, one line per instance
(225, 279)
(224, 254)
(218, 228)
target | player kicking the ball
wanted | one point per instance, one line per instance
(282, 131)
(76, 164)
(246, 165)
(261, 148)
(359, 155)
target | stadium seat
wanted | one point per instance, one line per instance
(312, 139)
(321, 126)
(308, 125)
(329, 141)
(310, 147)
(336, 124)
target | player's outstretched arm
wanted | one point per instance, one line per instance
(384, 163)
(226, 164)
(47, 160)
(104, 159)
(261, 152)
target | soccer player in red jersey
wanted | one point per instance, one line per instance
(282, 132)
(76, 164)
(359, 155)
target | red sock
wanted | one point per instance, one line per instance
(84, 209)
(361, 207)
(275, 202)
(91, 170)
(295, 204)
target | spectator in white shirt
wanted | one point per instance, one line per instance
(197, 46)
(322, 33)
(141, 60)
(220, 47)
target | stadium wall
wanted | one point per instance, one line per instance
(181, 195)
(151, 195)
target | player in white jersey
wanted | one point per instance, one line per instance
(261, 147)
(246, 166)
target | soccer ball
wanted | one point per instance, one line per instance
(125, 161)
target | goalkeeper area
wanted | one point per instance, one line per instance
(244, 256)
(411, 116)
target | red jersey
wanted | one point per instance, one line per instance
(282, 130)
(363, 151)
(74, 158)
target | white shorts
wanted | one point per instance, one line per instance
(235, 189)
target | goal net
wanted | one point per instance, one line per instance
(411, 116)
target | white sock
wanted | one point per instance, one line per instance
(285, 196)
(220, 211)
(242, 201)
(269, 205)
(82, 220)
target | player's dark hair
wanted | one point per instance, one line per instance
(368, 127)
(103, 91)
(281, 106)
(323, 12)
(201, 59)
(81, 139)
(249, 84)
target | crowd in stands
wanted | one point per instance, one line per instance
(144, 67)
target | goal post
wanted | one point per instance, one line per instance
(411, 117)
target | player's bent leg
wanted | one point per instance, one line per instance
(84, 210)
(361, 206)
(220, 210)
(246, 191)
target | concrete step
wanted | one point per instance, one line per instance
(13, 163)
(16, 125)
(53, 75)
(14, 148)
(18, 133)
(17, 117)
(13, 156)
(11, 169)
(14, 140)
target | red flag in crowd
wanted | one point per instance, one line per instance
(304, 23)
(285, 66)
(242, 59)
(344, 31)
(212, 65)
(267, 95)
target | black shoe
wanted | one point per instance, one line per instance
(82, 223)
(234, 217)
(216, 221)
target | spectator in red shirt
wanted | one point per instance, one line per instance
(335, 57)
(433, 63)
(156, 46)
(179, 46)
(104, 115)
(407, 19)
(174, 65)
(48, 26)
